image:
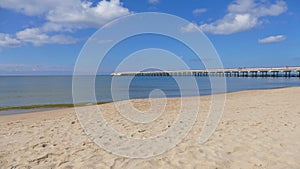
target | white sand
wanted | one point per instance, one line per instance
(259, 129)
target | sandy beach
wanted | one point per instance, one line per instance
(259, 129)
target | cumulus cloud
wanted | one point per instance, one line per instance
(35, 37)
(272, 39)
(199, 10)
(84, 15)
(7, 41)
(38, 38)
(243, 15)
(191, 27)
(61, 16)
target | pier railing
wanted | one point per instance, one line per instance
(238, 72)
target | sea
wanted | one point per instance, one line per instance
(20, 94)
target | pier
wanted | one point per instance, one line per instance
(236, 72)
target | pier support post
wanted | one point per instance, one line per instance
(255, 74)
(287, 74)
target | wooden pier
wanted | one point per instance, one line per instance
(238, 72)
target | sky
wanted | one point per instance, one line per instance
(46, 37)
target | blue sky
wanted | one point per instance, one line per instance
(45, 37)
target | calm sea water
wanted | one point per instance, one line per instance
(38, 90)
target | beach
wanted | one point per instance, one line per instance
(259, 129)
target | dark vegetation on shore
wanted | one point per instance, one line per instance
(48, 106)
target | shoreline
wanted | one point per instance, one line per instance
(4, 111)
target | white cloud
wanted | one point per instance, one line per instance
(69, 14)
(84, 15)
(38, 38)
(243, 15)
(60, 16)
(231, 23)
(272, 39)
(191, 27)
(153, 1)
(7, 41)
(199, 10)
